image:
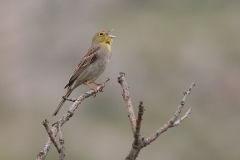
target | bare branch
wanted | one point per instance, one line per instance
(181, 119)
(61, 140)
(173, 121)
(180, 107)
(52, 137)
(127, 100)
(139, 120)
(138, 139)
(42, 154)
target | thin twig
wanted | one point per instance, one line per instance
(139, 120)
(138, 139)
(181, 119)
(50, 134)
(180, 107)
(42, 154)
(61, 140)
(173, 121)
(127, 100)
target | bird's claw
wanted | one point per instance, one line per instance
(102, 86)
(95, 91)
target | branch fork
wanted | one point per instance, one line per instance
(139, 141)
(56, 127)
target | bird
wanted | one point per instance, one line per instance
(91, 66)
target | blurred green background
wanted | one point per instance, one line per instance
(162, 46)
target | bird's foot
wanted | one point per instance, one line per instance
(95, 92)
(102, 85)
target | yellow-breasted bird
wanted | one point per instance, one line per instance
(91, 65)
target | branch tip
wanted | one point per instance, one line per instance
(120, 77)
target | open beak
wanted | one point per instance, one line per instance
(111, 36)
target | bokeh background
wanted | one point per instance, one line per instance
(162, 46)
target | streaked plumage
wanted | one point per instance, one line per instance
(91, 65)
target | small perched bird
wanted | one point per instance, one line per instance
(91, 65)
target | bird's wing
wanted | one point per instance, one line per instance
(90, 57)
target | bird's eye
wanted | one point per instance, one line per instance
(101, 34)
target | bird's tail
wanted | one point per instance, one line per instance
(69, 91)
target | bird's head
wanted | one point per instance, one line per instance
(103, 37)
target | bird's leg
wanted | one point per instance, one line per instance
(100, 84)
(94, 89)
